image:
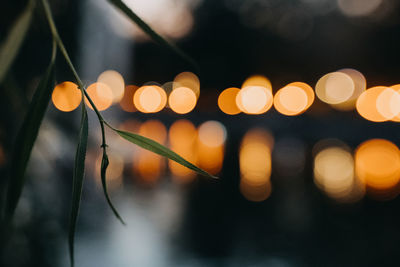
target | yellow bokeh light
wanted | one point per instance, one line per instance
(255, 193)
(396, 87)
(147, 164)
(227, 101)
(150, 99)
(308, 90)
(290, 100)
(255, 165)
(378, 104)
(126, 102)
(335, 88)
(377, 164)
(182, 140)
(101, 96)
(388, 103)
(188, 80)
(360, 84)
(258, 80)
(334, 172)
(254, 99)
(115, 82)
(212, 133)
(66, 96)
(210, 146)
(182, 100)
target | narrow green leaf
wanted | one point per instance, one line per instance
(11, 45)
(104, 165)
(26, 138)
(77, 182)
(159, 149)
(153, 34)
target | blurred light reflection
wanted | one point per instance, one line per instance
(66, 96)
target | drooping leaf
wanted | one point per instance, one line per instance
(26, 138)
(159, 149)
(11, 45)
(152, 33)
(104, 165)
(77, 182)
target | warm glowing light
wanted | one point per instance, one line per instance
(358, 8)
(255, 165)
(254, 99)
(307, 89)
(360, 84)
(379, 104)
(114, 171)
(182, 100)
(115, 82)
(101, 96)
(334, 172)
(147, 164)
(378, 164)
(150, 99)
(258, 80)
(210, 146)
(388, 103)
(335, 88)
(396, 87)
(227, 101)
(188, 80)
(290, 100)
(126, 102)
(212, 133)
(182, 140)
(66, 96)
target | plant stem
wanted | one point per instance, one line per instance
(57, 39)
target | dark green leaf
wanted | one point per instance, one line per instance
(157, 148)
(154, 35)
(26, 138)
(10, 47)
(77, 183)
(104, 165)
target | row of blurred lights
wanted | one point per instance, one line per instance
(343, 175)
(344, 89)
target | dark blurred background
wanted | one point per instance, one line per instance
(204, 222)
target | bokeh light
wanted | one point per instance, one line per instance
(147, 164)
(182, 140)
(254, 99)
(335, 88)
(150, 99)
(189, 80)
(258, 80)
(358, 8)
(227, 101)
(360, 84)
(290, 100)
(115, 82)
(182, 100)
(396, 87)
(66, 96)
(211, 145)
(126, 102)
(377, 164)
(212, 133)
(334, 172)
(379, 104)
(255, 165)
(101, 96)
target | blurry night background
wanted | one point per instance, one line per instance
(313, 186)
